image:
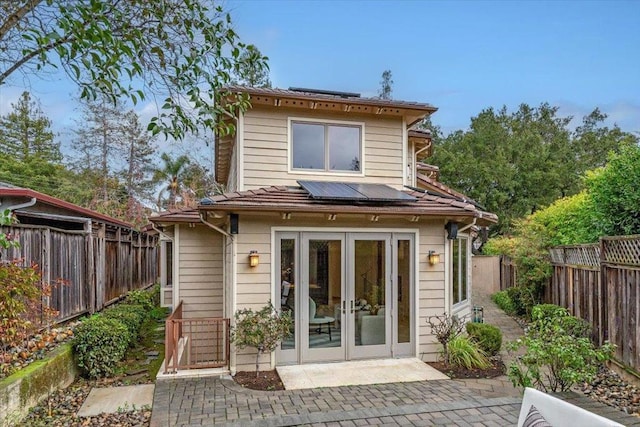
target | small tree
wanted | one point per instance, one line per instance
(445, 328)
(558, 353)
(262, 329)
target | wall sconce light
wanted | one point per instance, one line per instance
(434, 258)
(254, 258)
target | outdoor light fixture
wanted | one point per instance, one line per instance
(434, 258)
(254, 258)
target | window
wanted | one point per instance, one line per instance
(326, 147)
(459, 274)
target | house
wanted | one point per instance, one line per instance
(328, 214)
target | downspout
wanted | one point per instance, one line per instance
(468, 226)
(23, 205)
(415, 161)
(215, 227)
(162, 233)
(233, 273)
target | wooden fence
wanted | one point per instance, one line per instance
(507, 273)
(95, 266)
(601, 284)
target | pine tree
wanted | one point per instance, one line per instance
(386, 85)
(99, 142)
(25, 133)
(137, 171)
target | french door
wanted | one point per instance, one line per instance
(350, 295)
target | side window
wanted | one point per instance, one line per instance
(326, 147)
(459, 275)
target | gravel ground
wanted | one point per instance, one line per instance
(61, 408)
(612, 390)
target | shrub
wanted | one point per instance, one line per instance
(488, 337)
(143, 298)
(131, 316)
(22, 312)
(523, 299)
(555, 359)
(504, 301)
(262, 329)
(464, 352)
(446, 328)
(99, 344)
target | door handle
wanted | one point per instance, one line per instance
(352, 307)
(344, 307)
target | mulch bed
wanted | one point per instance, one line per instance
(497, 368)
(266, 380)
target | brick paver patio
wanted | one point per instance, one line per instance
(195, 402)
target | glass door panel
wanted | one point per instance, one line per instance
(403, 294)
(322, 298)
(370, 293)
(287, 278)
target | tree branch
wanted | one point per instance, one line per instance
(19, 63)
(14, 18)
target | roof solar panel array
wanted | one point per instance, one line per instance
(355, 192)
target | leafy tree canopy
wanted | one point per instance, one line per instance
(179, 53)
(517, 163)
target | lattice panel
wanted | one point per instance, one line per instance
(583, 255)
(622, 250)
(557, 255)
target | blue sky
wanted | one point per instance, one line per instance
(460, 56)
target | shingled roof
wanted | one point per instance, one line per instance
(295, 199)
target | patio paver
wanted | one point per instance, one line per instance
(207, 401)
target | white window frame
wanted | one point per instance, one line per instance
(325, 122)
(467, 298)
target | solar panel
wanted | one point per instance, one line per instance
(331, 190)
(355, 192)
(381, 192)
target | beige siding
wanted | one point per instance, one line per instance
(266, 150)
(200, 271)
(255, 287)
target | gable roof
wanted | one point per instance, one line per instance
(9, 190)
(290, 199)
(327, 101)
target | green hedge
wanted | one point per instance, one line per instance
(100, 343)
(504, 301)
(488, 337)
(131, 316)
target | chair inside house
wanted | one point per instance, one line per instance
(372, 328)
(318, 321)
(284, 295)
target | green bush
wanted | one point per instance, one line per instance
(504, 301)
(131, 316)
(488, 337)
(574, 326)
(143, 298)
(557, 354)
(523, 298)
(99, 344)
(464, 352)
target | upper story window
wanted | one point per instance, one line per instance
(326, 147)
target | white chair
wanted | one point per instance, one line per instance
(372, 328)
(319, 320)
(556, 412)
(284, 295)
